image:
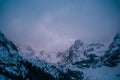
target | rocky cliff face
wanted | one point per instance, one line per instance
(92, 55)
(74, 53)
(110, 58)
(80, 51)
(112, 55)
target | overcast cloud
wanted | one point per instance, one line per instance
(53, 25)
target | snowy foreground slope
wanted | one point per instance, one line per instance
(15, 66)
(103, 73)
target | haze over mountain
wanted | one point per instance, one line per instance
(78, 62)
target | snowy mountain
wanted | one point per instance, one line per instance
(44, 56)
(15, 66)
(109, 57)
(29, 51)
(112, 55)
(104, 67)
(73, 54)
(80, 51)
(95, 48)
(81, 62)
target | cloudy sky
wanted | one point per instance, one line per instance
(53, 25)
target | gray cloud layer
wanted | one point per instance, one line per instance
(53, 25)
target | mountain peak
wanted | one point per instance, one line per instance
(118, 35)
(115, 43)
(2, 37)
(77, 45)
(78, 42)
(6, 43)
(113, 52)
(117, 39)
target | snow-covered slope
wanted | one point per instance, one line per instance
(102, 73)
(15, 66)
(95, 48)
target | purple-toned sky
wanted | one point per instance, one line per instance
(53, 25)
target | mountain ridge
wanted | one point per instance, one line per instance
(14, 66)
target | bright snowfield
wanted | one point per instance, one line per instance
(103, 73)
(80, 62)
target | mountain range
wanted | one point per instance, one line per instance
(16, 66)
(80, 62)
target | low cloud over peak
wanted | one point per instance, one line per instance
(54, 25)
